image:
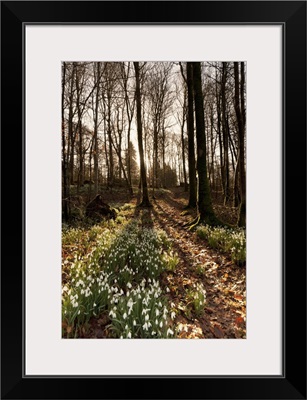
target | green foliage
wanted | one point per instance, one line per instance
(164, 239)
(232, 241)
(114, 268)
(200, 270)
(197, 298)
(171, 260)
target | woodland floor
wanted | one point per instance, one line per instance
(225, 283)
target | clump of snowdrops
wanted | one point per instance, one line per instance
(116, 275)
(232, 241)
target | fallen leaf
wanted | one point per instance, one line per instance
(239, 321)
(218, 332)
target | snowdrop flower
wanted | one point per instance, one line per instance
(134, 322)
(169, 332)
(145, 326)
(173, 314)
(125, 316)
(146, 317)
(130, 303)
(157, 312)
(161, 324)
(129, 335)
(167, 290)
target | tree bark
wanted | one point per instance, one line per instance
(225, 136)
(240, 113)
(65, 187)
(145, 199)
(183, 146)
(96, 175)
(191, 159)
(206, 213)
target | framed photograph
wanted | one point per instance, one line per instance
(161, 153)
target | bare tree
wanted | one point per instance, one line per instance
(206, 213)
(145, 199)
(191, 159)
(240, 113)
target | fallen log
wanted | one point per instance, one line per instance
(98, 209)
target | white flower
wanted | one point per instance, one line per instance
(129, 335)
(157, 312)
(134, 322)
(125, 316)
(146, 317)
(129, 285)
(167, 290)
(145, 326)
(169, 332)
(161, 324)
(130, 303)
(173, 314)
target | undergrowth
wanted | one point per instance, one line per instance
(231, 241)
(113, 269)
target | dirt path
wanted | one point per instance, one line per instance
(225, 283)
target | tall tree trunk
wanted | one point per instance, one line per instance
(71, 133)
(145, 199)
(163, 158)
(119, 152)
(106, 149)
(212, 147)
(240, 113)
(155, 159)
(225, 135)
(80, 130)
(183, 153)
(205, 208)
(111, 161)
(236, 188)
(96, 175)
(191, 160)
(219, 133)
(65, 187)
(129, 112)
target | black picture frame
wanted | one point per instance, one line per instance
(292, 16)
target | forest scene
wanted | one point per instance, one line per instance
(154, 200)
